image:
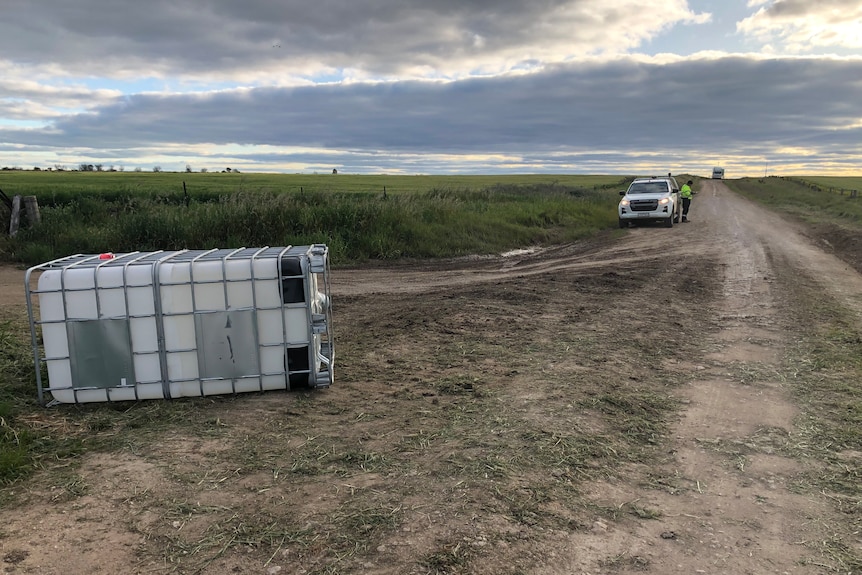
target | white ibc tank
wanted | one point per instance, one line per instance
(151, 325)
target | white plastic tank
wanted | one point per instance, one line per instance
(153, 325)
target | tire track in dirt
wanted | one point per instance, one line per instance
(639, 246)
(738, 516)
(737, 513)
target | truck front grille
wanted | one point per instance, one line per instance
(644, 205)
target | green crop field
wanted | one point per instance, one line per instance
(834, 183)
(45, 185)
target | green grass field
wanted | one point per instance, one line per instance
(359, 217)
(834, 184)
(45, 185)
(807, 198)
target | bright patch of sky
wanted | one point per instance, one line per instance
(718, 33)
(754, 26)
(144, 85)
(21, 124)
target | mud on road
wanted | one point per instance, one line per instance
(613, 406)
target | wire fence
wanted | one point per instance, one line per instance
(821, 188)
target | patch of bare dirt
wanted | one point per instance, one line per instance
(610, 407)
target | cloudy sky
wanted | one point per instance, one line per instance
(434, 86)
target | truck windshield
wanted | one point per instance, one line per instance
(648, 188)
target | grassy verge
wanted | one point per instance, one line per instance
(356, 226)
(796, 197)
(824, 369)
(17, 442)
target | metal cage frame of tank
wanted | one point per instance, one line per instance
(109, 339)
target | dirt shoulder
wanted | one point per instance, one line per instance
(616, 406)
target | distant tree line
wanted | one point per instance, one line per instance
(102, 168)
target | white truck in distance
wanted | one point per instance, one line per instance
(650, 200)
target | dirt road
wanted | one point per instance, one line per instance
(742, 519)
(479, 424)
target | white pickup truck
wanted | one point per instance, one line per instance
(651, 200)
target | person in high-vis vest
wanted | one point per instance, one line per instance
(685, 194)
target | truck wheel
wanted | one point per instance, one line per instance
(623, 223)
(668, 223)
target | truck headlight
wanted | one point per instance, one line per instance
(664, 201)
(624, 203)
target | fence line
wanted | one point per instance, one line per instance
(819, 188)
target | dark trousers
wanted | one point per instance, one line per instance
(686, 203)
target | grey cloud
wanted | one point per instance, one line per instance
(730, 106)
(377, 36)
(801, 8)
(28, 100)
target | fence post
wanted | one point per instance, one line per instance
(31, 207)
